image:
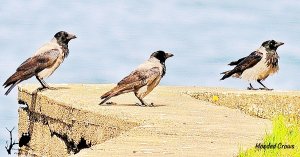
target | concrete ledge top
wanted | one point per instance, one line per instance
(178, 124)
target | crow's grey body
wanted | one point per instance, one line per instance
(44, 61)
(142, 80)
(258, 65)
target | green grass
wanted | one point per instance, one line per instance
(286, 130)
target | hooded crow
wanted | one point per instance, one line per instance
(44, 61)
(258, 65)
(142, 80)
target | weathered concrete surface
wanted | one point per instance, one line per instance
(264, 104)
(178, 125)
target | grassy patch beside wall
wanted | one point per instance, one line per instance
(284, 141)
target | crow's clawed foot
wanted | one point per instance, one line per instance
(51, 88)
(265, 88)
(251, 88)
(40, 89)
(145, 105)
(108, 103)
(111, 103)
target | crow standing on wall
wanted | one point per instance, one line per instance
(258, 65)
(44, 61)
(142, 80)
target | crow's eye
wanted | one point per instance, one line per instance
(272, 42)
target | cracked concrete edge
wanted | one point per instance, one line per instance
(65, 120)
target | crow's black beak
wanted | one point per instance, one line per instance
(279, 44)
(72, 36)
(168, 55)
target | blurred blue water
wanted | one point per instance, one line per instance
(115, 36)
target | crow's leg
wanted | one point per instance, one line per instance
(265, 88)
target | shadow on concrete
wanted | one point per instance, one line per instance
(134, 105)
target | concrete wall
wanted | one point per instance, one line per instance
(183, 122)
(58, 129)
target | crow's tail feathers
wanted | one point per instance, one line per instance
(12, 81)
(12, 86)
(227, 74)
(106, 97)
(115, 92)
(16, 78)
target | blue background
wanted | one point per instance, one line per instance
(114, 36)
